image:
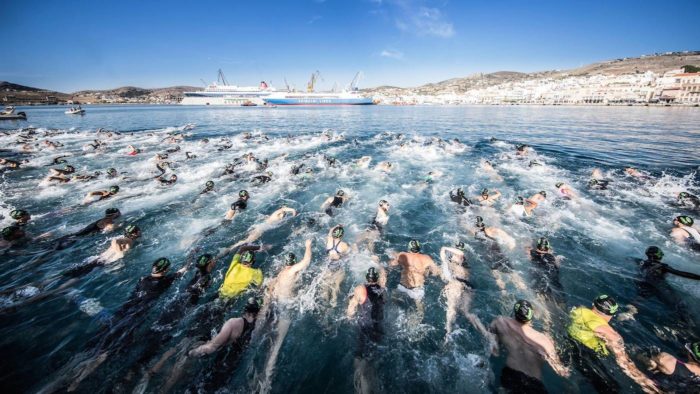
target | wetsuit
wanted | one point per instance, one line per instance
(295, 169)
(375, 225)
(261, 179)
(226, 361)
(90, 229)
(546, 281)
(370, 317)
(336, 203)
(239, 205)
(599, 184)
(166, 181)
(655, 270)
(461, 200)
(514, 381)
(681, 381)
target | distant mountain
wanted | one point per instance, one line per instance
(12, 93)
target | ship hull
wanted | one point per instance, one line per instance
(221, 100)
(318, 101)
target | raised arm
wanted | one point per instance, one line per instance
(230, 331)
(300, 266)
(328, 201)
(614, 341)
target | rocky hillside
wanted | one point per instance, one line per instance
(11, 93)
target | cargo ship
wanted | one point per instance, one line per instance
(349, 96)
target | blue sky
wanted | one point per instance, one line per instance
(74, 45)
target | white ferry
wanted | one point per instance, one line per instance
(221, 93)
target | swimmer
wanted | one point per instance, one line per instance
(376, 227)
(112, 173)
(458, 290)
(363, 162)
(487, 167)
(173, 150)
(334, 202)
(230, 169)
(296, 169)
(190, 155)
(385, 166)
(488, 197)
(241, 275)
(100, 195)
(565, 191)
(337, 249)
(633, 172)
(591, 332)
(10, 164)
(494, 233)
(258, 230)
(106, 224)
(598, 184)
(689, 200)
(414, 268)
(132, 150)
(458, 196)
(87, 177)
(240, 205)
(333, 276)
(20, 216)
(235, 332)
(523, 207)
(674, 375)
(11, 236)
(170, 181)
(67, 170)
(522, 150)
(60, 160)
(684, 233)
(654, 269)
(528, 349)
(209, 186)
(263, 178)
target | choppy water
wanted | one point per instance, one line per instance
(598, 235)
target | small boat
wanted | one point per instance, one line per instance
(75, 111)
(9, 114)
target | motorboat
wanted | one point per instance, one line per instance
(75, 111)
(9, 114)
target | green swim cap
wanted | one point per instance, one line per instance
(520, 200)
(161, 265)
(114, 189)
(338, 232)
(414, 246)
(248, 257)
(372, 275)
(340, 193)
(112, 212)
(523, 312)
(253, 305)
(18, 214)
(654, 253)
(558, 184)
(485, 192)
(460, 245)
(11, 232)
(685, 220)
(694, 350)
(204, 260)
(683, 195)
(132, 231)
(243, 193)
(543, 244)
(606, 304)
(209, 184)
(290, 259)
(112, 171)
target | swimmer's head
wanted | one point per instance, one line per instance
(685, 220)
(20, 215)
(269, 174)
(340, 193)
(248, 258)
(606, 304)
(593, 182)
(160, 266)
(523, 311)
(290, 259)
(460, 192)
(112, 213)
(519, 200)
(559, 184)
(243, 194)
(69, 168)
(480, 222)
(12, 233)
(338, 232)
(683, 195)
(654, 253)
(460, 245)
(484, 192)
(209, 185)
(132, 231)
(384, 204)
(693, 350)
(543, 193)
(203, 261)
(543, 244)
(112, 172)
(309, 170)
(252, 306)
(114, 189)
(372, 275)
(414, 246)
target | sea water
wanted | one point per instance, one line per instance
(599, 235)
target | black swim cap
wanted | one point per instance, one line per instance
(543, 193)
(340, 193)
(132, 231)
(11, 232)
(112, 171)
(480, 222)
(18, 214)
(543, 244)
(694, 350)
(685, 220)
(114, 189)
(460, 192)
(290, 259)
(204, 260)
(606, 304)
(523, 312)
(248, 257)
(485, 191)
(414, 246)
(161, 265)
(209, 184)
(558, 184)
(243, 193)
(372, 275)
(383, 202)
(460, 245)
(252, 306)
(69, 168)
(112, 212)
(338, 232)
(654, 253)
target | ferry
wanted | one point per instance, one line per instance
(350, 96)
(221, 93)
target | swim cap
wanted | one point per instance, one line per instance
(114, 189)
(112, 212)
(112, 171)
(383, 202)
(173, 177)
(340, 193)
(209, 184)
(18, 214)
(654, 253)
(248, 257)
(460, 192)
(605, 304)
(372, 275)
(520, 200)
(252, 306)
(204, 260)
(558, 184)
(69, 168)
(460, 245)
(523, 312)
(309, 170)
(161, 265)
(593, 182)
(543, 193)
(132, 231)
(10, 233)
(694, 350)
(480, 222)
(682, 195)
(290, 259)
(338, 232)
(543, 244)
(485, 191)
(269, 174)
(243, 193)
(414, 246)
(685, 220)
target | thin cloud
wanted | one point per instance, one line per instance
(391, 54)
(313, 19)
(414, 17)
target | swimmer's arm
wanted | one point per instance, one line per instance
(683, 274)
(304, 261)
(248, 247)
(494, 195)
(231, 330)
(290, 210)
(326, 203)
(395, 261)
(493, 328)
(433, 268)
(553, 359)
(615, 342)
(354, 302)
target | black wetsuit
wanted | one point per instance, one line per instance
(370, 317)
(166, 181)
(239, 205)
(261, 179)
(226, 361)
(295, 169)
(94, 227)
(461, 200)
(681, 381)
(514, 381)
(599, 184)
(546, 279)
(656, 270)
(336, 203)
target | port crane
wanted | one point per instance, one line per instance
(314, 78)
(356, 81)
(221, 78)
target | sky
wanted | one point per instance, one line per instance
(76, 45)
